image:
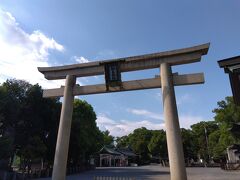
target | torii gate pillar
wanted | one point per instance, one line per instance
(61, 152)
(174, 141)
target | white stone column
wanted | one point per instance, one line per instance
(61, 152)
(174, 140)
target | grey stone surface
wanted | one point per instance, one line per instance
(174, 141)
(178, 80)
(61, 152)
(156, 172)
(134, 63)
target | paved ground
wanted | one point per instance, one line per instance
(156, 172)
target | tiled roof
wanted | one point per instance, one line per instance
(126, 152)
(109, 151)
(117, 151)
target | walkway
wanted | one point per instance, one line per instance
(156, 172)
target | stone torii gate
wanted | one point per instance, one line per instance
(112, 70)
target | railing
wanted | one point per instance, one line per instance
(113, 178)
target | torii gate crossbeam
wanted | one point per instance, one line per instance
(112, 70)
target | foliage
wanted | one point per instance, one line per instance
(189, 144)
(27, 120)
(158, 144)
(226, 116)
(201, 131)
(29, 125)
(139, 140)
(86, 139)
(122, 142)
(205, 140)
(108, 140)
(5, 146)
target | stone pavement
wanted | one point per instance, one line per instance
(156, 172)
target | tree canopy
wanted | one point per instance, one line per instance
(206, 140)
(227, 115)
(29, 125)
(86, 138)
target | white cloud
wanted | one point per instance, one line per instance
(81, 59)
(22, 52)
(85, 80)
(186, 120)
(146, 113)
(124, 127)
(185, 98)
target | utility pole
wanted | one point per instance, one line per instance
(206, 137)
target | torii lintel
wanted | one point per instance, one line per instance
(147, 61)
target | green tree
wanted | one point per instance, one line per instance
(122, 142)
(13, 94)
(2, 102)
(227, 114)
(39, 117)
(27, 119)
(29, 125)
(158, 144)
(6, 145)
(86, 139)
(139, 140)
(108, 140)
(216, 149)
(189, 144)
(201, 132)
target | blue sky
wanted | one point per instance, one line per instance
(47, 33)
